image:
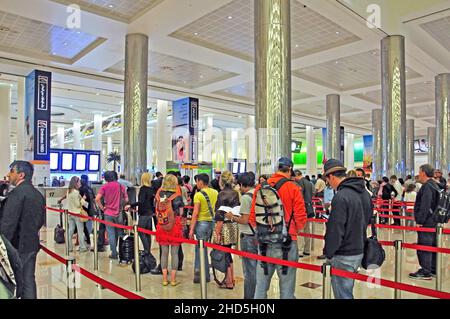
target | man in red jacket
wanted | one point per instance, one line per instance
(293, 203)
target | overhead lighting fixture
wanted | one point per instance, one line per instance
(338, 33)
(97, 94)
(337, 62)
(65, 44)
(110, 6)
(296, 45)
(54, 53)
(195, 33)
(230, 17)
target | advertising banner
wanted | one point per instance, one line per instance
(342, 154)
(185, 130)
(368, 151)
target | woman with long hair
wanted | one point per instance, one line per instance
(75, 204)
(146, 210)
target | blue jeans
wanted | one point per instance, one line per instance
(249, 244)
(113, 233)
(75, 222)
(203, 230)
(287, 282)
(343, 287)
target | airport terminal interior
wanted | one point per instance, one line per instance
(209, 86)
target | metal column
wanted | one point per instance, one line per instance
(442, 95)
(135, 107)
(333, 109)
(432, 146)
(272, 82)
(311, 156)
(394, 105)
(410, 147)
(377, 156)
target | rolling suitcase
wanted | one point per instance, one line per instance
(126, 249)
(59, 232)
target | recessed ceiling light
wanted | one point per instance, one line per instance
(65, 43)
(110, 6)
(54, 53)
(296, 45)
(337, 62)
(337, 32)
(406, 71)
(97, 94)
(195, 33)
(201, 76)
(230, 17)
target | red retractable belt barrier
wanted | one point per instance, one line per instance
(55, 210)
(62, 260)
(396, 217)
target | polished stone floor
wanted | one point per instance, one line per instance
(51, 277)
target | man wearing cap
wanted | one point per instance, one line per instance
(293, 203)
(351, 211)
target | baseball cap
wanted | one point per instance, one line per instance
(285, 161)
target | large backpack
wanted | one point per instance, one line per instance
(441, 213)
(164, 211)
(271, 225)
(11, 271)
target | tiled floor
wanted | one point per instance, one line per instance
(51, 276)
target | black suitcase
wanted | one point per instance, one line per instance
(126, 249)
(147, 262)
(59, 232)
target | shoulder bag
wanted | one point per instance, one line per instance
(374, 254)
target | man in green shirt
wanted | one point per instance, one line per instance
(202, 220)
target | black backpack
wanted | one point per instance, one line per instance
(146, 262)
(374, 254)
(58, 234)
(441, 213)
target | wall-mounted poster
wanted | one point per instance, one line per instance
(368, 151)
(185, 130)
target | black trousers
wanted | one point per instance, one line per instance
(29, 280)
(146, 223)
(427, 260)
(101, 234)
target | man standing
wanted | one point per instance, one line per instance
(248, 242)
(351, 211)
(202, 220)
(426, 201)
(304, 243)
(23, 217)
(440, 180)
(294, 210)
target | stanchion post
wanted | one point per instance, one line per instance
(95, 245)
(326, 283)
(439, 232)
(203, 291)
(398, 266)
(71, 278)
(403, 222)
(312, 228)
(66, 230)
(137, 268)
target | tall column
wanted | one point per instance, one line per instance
(163, 136)
(442, 96)
(311, 151)
(20, 118)
(135, 108)
(76, 135)
(432, 146)
(207, 141)
(97, 140)
(60, 137)
(251, 143)
(394, 105)
(333, 126)
(234, 143)
(377, 153)
(5, 118)
(410, 147)
(109, 149)
(350, 151)
(272, 82)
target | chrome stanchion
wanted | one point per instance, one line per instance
(439, 232)
(95, 245)
(326, 283)
(137, 268)
(71, 278)
(312, 229)
(398, 266)
(66, 230)
(403, 222)
(201, 244)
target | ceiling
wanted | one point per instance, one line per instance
(205, 48)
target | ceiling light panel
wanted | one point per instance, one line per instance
(247, 92)
(25, 36)
(311, 32)
(352, 72)
(121, 10)
(179, 72)
(439, 30)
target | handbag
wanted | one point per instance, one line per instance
(219, 260)
(228, 235)
(84, 213)
(374, 254)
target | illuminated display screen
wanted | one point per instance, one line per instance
(235, 167)
(80, 162)
(94, 163)
(67, 161)
(242, 167)
(54, 159)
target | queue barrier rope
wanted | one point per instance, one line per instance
(102, 282)
(316, 268)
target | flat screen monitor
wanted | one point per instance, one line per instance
(242, 167)
(67, 162)
(235, 168)
(54, 161)
(94, 162)
(80, 162)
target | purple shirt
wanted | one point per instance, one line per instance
(111, 193)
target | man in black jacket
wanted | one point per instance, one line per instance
(304, 243)
(23, 217)
(426, 201)
(351, 211)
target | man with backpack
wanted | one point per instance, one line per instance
(426, 202)
(346, 230)
(278, 213)
(202, 220)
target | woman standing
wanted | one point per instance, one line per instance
(169, 208)
(75, 204)
(146, 210)
(226, 231)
